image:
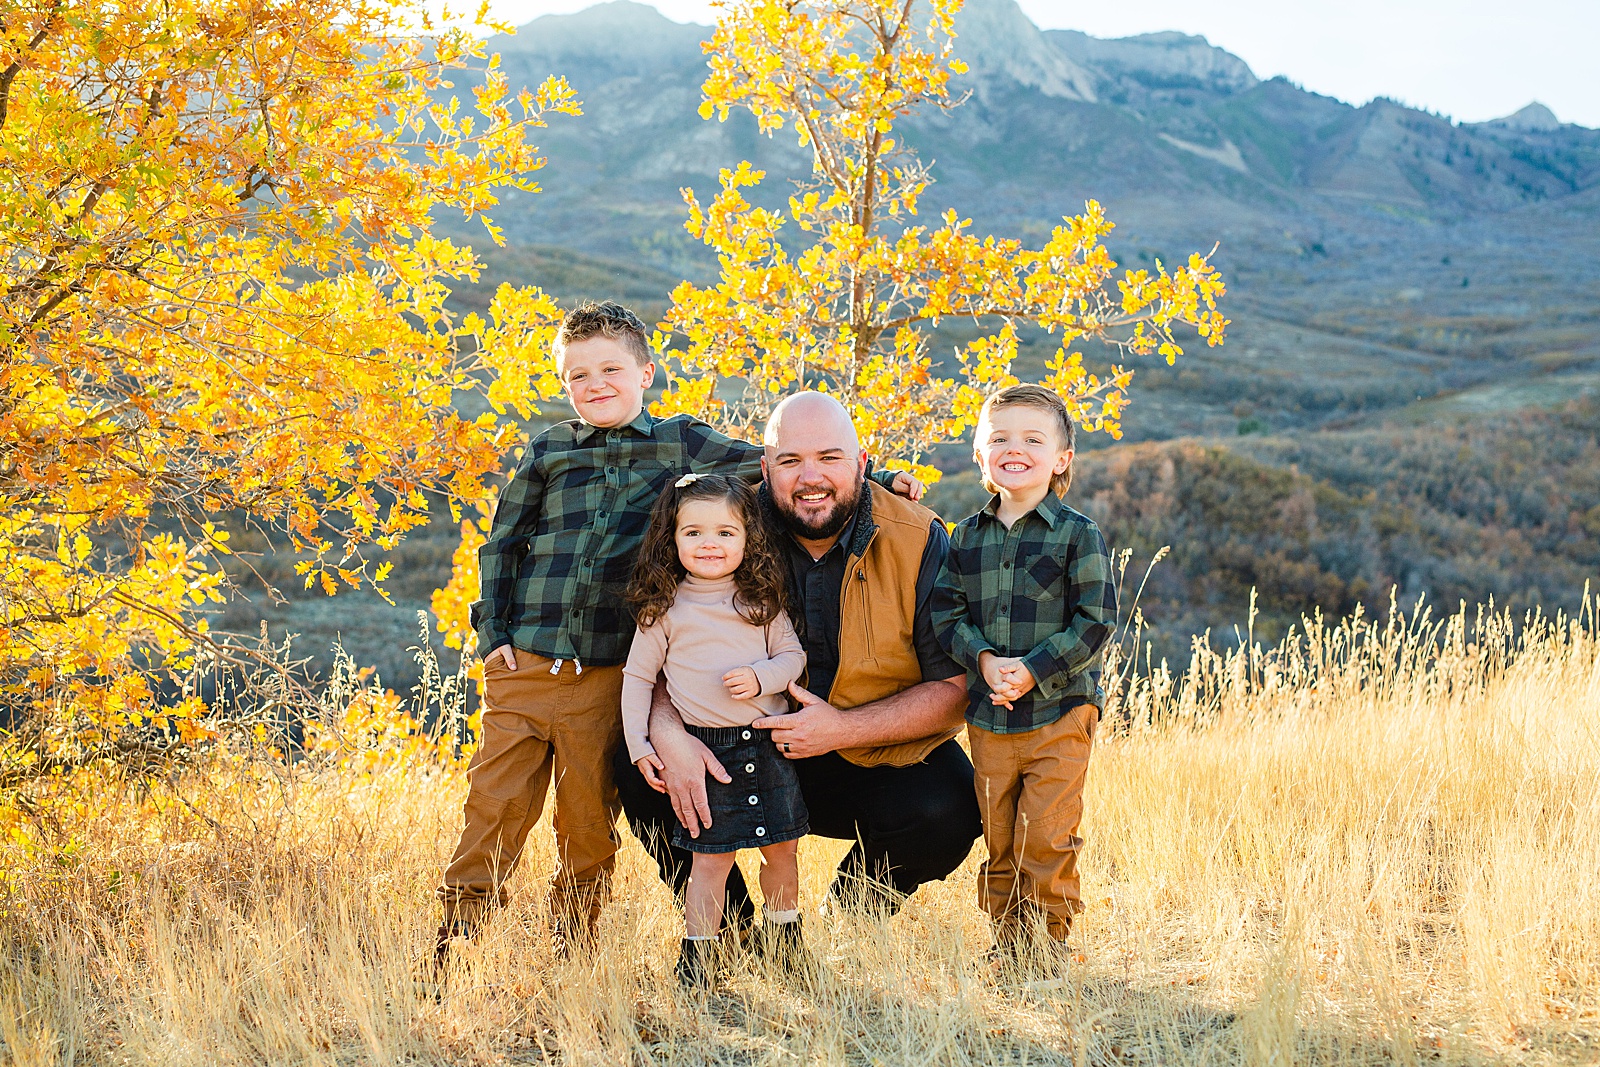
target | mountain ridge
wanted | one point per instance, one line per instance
(1156, 113)
(1377, 257)
(1190, 59)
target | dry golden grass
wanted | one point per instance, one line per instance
(1377, 845)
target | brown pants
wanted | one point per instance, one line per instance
(1030, 790)
(538, 725)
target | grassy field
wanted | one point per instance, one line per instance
(1372, 844)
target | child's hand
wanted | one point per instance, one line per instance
(651, 767)
(989, 667)
(1006, 676)
(1017, 679)
(907, 486)
(742, 683)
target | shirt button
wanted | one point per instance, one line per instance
(749, 768)
(761, 831)
(753, 800)
(1006, 564)
(611, 470)
(1002, 610)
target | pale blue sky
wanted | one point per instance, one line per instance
(1470, 59)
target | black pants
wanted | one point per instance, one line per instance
(910, 825)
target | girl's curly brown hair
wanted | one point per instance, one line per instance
(760, 578)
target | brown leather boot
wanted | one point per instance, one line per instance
(441, 945)
(433, 979)
(574, 917)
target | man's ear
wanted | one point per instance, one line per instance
(765, 475)
(861, 465)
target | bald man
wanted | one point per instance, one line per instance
(873, 739)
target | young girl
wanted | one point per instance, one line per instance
(708, 593)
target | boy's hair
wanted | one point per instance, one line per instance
(760, 580)
(1036, 396)
(605, 318)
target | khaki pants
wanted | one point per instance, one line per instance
(1030, 791)
(538, 725)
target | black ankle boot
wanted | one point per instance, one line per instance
(783, 945)
(697, 963)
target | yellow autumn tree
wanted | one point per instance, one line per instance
(842, 290)
(221, 293)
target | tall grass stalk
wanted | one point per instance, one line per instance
(1377, 842)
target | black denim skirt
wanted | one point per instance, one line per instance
(761, 806)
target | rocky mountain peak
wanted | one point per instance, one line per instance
(1533, 117)
(618, 35)
(1168, 59)
(998, 41)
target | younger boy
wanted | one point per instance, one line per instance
(553, 626)
(1026, 603)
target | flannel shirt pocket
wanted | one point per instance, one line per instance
(1041, 579)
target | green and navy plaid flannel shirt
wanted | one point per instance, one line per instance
(569, 524)
(1042, 591)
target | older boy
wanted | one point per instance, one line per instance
(1026, 603)
(553, 627)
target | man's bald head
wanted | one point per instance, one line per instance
(813, 465)
(813, 419)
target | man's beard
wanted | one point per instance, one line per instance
(827, 525)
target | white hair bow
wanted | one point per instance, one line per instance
(687, 479)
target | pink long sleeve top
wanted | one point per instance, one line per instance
(700, 639)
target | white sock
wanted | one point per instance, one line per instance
(782, 918)
(701, 937)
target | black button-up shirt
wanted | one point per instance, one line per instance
(815, 586)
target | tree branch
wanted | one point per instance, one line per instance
(9, 75)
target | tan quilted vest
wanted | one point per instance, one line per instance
(877, 609)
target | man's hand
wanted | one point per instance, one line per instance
(907, 486)
(508, 654)
(742, 683)
(818, 727)
(685, 763)
(650, 767)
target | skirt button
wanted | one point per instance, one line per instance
(752, 800)
(761, 831)
(746, 735)
(749, 768)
